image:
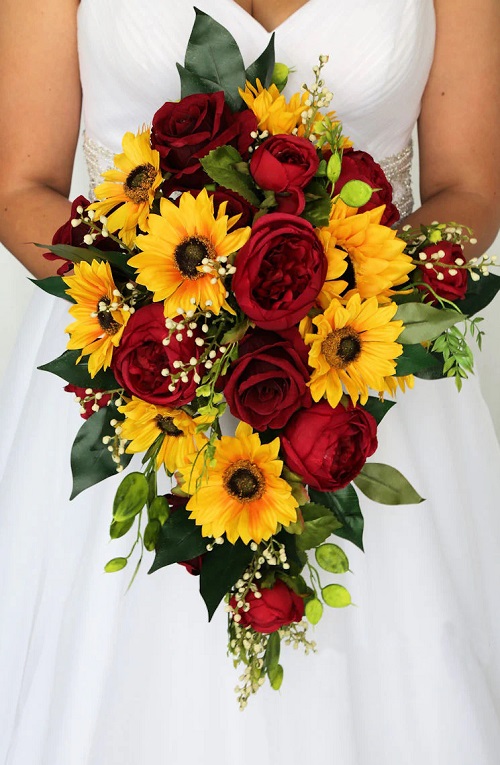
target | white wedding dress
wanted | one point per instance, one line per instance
(92, 675)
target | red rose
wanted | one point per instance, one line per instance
(280, 271)
(193, 565)
(360, 166)
(141, 356)
(275, 608)
(328, 447)
(87, 405)
(285, 164)
(448, 283)
(268, 382)
(185, 131)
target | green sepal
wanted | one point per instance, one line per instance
(220, 165)
(67, 369)
(423, 322)
(130, 497)
(319, 523)
(264, 67)
(53, 285)
(377, 408)
(222, 567)
(91, 461)
(180, 539)
(417, 359)
(386, 485)
(344, 504)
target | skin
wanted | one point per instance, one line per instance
(458, 126)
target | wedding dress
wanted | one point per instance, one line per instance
(92, 675)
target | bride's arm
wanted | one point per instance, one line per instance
(39, 123)
(459, 126)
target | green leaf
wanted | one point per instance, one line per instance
(423, 322)
(479, 294)
(314, 610)
(344, 504)
(378, 408)
(213, 54)
(54, 285)
(151, 533)
(88, 254)
(336, 596)
(319, 523)
(385, 484)
(416, 359)
(158, 510)
(91, 461)
(116, 564)
(120, 528)
(318, 204)
(356, 193)
(272, 654)
(334, 168)
(222, 567)
(332, 558)
(265, 69)
(220, 166)
(131, 496)
(66, 368)
(276, 677)
(180, 539)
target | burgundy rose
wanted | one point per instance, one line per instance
(285, 164)
(193, 565)
(187, 130)
(276, 607)
(141, 356)
(268, 382)
(360, 166)
(73, 235)
(280, 271)
(88, 400)
(448, 283)
(328, 447)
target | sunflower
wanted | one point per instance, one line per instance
(130, 187)
(243, 496)
(393, 383)
(374, 257)
(354, 346)
(181, 255)
(273, 113)
(144, 423)
(98, 312)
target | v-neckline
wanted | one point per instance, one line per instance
(284, 23)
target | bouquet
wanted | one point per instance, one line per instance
(240, 258)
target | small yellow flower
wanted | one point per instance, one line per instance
(354, 347)
(243, 496)
(98, 313)
(144, 423)
(270, 107)
(130, 187)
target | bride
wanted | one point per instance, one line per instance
(91, 676)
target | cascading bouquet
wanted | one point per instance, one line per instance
(240, 257)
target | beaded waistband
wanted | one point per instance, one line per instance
(397, 169)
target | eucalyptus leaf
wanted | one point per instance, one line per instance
(67, 369)
(423, 322)
(116, 564)
(332, 558)
(336, 596)
(220, 166)
(356, 193)
(54, 285)
(131, 496)
(180, 539)
(385, 484)
(222, 567)
(344, 504)
(314, 610)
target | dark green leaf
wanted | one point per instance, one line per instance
(65, 366)
(222, 567)
(385, 484)
(220, 166)
(479, 294)
(180, 539)
(318, 204)
(344, 504)
(130, 497)
(415, 358)
(54, 285)
(272, 654)
(319, 523)
(423, 322)
(263, 67)
(378, 408)
(192, 83)
(88, 254)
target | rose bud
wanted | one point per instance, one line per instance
(141, 357)
(279, 271)
(88, 406)
(448, 283)
(328, 447)
(267, 383)
(275, 608)
(360, 166)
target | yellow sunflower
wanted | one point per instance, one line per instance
(273, 112)
(130, 187)
(145, 422)
(243, 496)
(393, 383)
(373, 255)
(354, 347)
(99, 316)
(182, 254)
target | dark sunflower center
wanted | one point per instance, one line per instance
(139, 183)
(244, 481)
(189, 255)
(341, 347)
(105, 318)
(167, 426)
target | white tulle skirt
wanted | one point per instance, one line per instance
(92, 675)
